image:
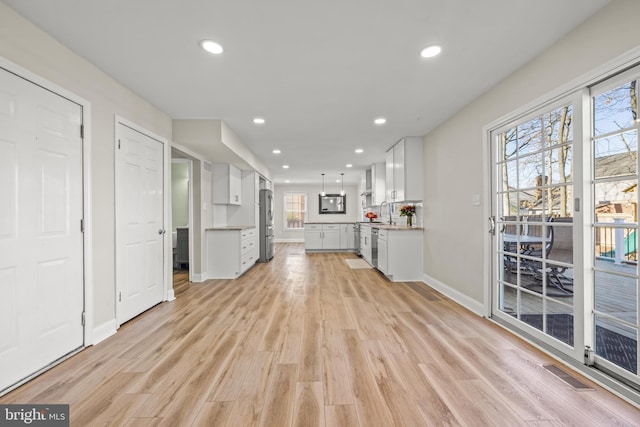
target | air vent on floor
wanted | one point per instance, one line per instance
(573, 382)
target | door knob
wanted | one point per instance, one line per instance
(161, 231)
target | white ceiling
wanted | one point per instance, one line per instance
(319, 72)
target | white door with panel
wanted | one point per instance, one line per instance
(41, 242)
(139, 222)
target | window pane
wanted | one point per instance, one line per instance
(616, 200)
(295, 210)
(616, 109)
(558, 126)
(530, 136)
(616, 155)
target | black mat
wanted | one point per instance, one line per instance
(610, 345)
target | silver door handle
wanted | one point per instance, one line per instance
(492, 225)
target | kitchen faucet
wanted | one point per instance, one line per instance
(384, 202)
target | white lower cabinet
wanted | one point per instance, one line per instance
(382, 251)
(365, 243)
(231, 252)
(325, 236)
(347, 236)
(400, 254)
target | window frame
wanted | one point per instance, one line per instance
(285, 211)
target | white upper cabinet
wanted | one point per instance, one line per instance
(378, 176)
(404, 171)
(227, 184)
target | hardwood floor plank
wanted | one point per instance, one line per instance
(214, 414)
(370, 405)
(430, 403)
(341, 416)
(403, 410)
(309, 405)
(305, 340)
(279, 403)
(311, 351)
(337, 388)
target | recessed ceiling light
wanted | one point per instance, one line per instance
(287, 181)
(349, 165)
(258, 121)
(380, 121)
(359, 150)
(211, 47)
(276, 151)
(431, 51)
(285, 166)
(338, 181)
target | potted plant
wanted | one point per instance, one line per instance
(409, 211)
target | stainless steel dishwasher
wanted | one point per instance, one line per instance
(374, 247)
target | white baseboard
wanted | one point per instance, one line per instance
(198, 278)
(171, 295)
(104, 331)
(455, 295)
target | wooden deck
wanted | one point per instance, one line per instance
(306, 341)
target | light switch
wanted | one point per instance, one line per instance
(475, 200)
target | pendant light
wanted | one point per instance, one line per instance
(342, 184)
(323, 193)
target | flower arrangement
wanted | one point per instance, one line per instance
(371, 215)
(408, 210)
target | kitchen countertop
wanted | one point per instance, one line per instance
(330, 222)
(392, 227)
(230, 227)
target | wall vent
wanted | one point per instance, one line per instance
(572, 381)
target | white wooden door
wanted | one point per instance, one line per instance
(41, 243)
(140, 222)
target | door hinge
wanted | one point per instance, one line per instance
(83, 320)
(82, 131)
(118, 144)
(119, 296)
(82, 225)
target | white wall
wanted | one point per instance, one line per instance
(29, 47)
(179, 194)
(454, 235)
(352, 215)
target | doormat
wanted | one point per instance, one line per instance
(356, 264)
(610, 345)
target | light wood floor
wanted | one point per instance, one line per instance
(306, 341)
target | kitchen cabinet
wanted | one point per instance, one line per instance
(230, 251)
(227, 184)
(321, 237)
(382, 251)
(365, 242)
(248, 212)
(378, 178)
(347, 236)
(400, 254)
(404, 171)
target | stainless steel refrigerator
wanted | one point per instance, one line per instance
(266, 225)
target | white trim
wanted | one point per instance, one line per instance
(104, 331)
(166, 182)
(455, 295)
(295, 240)
(198, 278)
(87, 185)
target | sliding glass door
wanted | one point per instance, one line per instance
(564, 246)
(534, 275)
(615, 224)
